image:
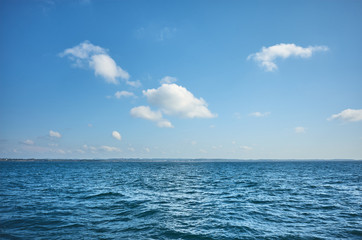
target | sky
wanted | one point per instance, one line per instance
(181, 79)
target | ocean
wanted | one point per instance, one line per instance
(181, 200)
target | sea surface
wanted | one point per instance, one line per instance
(181, 200)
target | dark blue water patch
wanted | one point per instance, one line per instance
(123, 200)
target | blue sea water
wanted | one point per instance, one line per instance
(175, 200)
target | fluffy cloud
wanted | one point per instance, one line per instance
(116, 135)
(259, 114)
(146, 113)
(106, 67)
(350, 115)
(120, 94)
(173, 99)
(267, 56)
(95, 57)
(54, 134)
(299, 130)
(168, 80)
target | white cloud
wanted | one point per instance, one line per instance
(54, 134)
(299, 130)
(97, 58)
(28, 142)
(116, 135)
(82, 51)
(267, 56)
(135, 84)
(173, 99)
(259, 114)
(120, 94)
(106, 67)
(350, 115)
(110, 149)
(246, 148)
(168, 80)
(146, 113)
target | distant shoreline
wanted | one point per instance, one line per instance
(182, 160)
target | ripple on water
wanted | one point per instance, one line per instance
(113, 200)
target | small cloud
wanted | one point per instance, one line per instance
(28, 142)
(267, 56)
(349, 115)
(131, 149)
(299, 130)
(54, 134)
(88, 55)
(120, 94)
(90, 125)
(147, 149)
(146, 113)
(193, 142)
(110, 149)
(246, 148)
(116, 135)
(168, 80)
(135, 84)
(259, 114)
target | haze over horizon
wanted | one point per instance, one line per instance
(181, 79)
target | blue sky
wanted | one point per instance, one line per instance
(181, 79)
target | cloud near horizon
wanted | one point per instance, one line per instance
(88, 55)
(349, 115)
(54, 134)
(109, 149)
(267, 56)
